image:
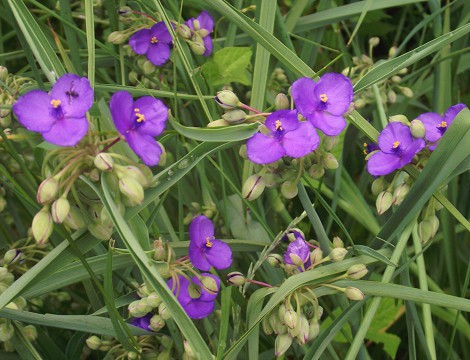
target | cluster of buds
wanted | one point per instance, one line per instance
(390, 194)
(387, 89)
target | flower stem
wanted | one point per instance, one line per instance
(246, 107)
(258, 283)
(111, 144)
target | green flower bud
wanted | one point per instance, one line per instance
(330, 142)
(360, 103)
(47, 191)
(20, 302)
(153, 300)
(434, 221)
(160, 252)
(400, 193)
(6, 331)
(406, 91)
(209, 285)
(425, 230)
(313, 330)
(3, 73)
(337, 254)
(139, 308)
(184, 31)
(93, 342)
(3, 204)
(282, 344)
(316, 256)
(197, 45)
(117, 37)
(354, 293)
(302, 336)
(42, 226)
(316, 171)
(143, 291)
(218, 123)
(268, 330)
(417, 129)
(138, 173)
(392, 51)
(378, 186)
(296, 260)
(75, 219)
(289, 189)
(3, 273)
(100, 231)
(399, 118)
(157, 323)
(329, 161)
(132, 355)
(253, 187)
(12, 256)
(236, 116)
(356, 272)
(104, 161)
(374, 41)
(275, 260)
(60, 209)
(236, 278)
(392, 97)
(164, 312)
(30, 332)
(384, 201)
(125, 11)
(276, 324)
(337, 242)
(227, 99)
(281, 102)
(189, 350)
(148, 68)
(131, 188)
(291, 318)
(166, 341)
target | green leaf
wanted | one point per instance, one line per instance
(365, 250)
(229, 64)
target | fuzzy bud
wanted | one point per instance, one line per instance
(132, 189)
(417, 129)
(236, 116)
(378, 186)
(281, 102)
(354, 293)
(42, 226)
(117, 38)
(400, 193)
(139, 308)
(316, 256)
(164, 311)
(253, 187)
(93, 342)
(282, 344)
(337, 254)
(236, 278)
(314, 329)
(330, 162)
(383, 202)
(227, 99)
(275, 260)
(153, 300)
(289, 189)
(47, 191)
(12, 256)
(316, 171)
(60, 209)
(399, 118)
(356, 272)
(157, 323)
(184, 31)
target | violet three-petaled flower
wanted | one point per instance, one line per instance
(299, 248)
(139, 122)
(397, 149)
(142, 322)
(59, 116)
(155, 43)
(197, 307)
(324, 102)
(203, 26)
(436, 125)
(287, 136)
(204, 249)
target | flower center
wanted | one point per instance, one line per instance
(154, 40)
(139, 117)
(55, 103)
(208, 242)
(323, 98)
(278, 125)
(396, 144)
(443, 124)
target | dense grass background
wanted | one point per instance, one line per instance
(417, 296)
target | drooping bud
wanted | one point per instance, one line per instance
(139, 308)
(316, 171)
(197, 46)
(374, 41)
(6, 331)
(434, 222)
(3, 73)
(399, 118)
(236, 116)
(378, 186)
(60, 209)
(356, 272)
(400, 193)
(143, 291)
(157, 323)
(227, 99)
(236, 278)
(12, 256)
(276, 324)
(30, 332)
(406, 91)
(392, 97)
(291, 318)
(281, 102)
(100, 231)
(314, 329)
(75, 219)
(302, 336)
(253, 187)
(330, 161)
(289, 189)
(337, 242)
(417, 129)
(132, 189)
(117, 37)
(354, 293)
(282, 344)
(384, 201)
(104, 162)
(275, 260)
(42, 226)
(425, 230)
(337, 254)
(316, 256)
(93, 342)
(139, 173)
(268, 330)
(47, 191)
(159, 251)
(164, 311)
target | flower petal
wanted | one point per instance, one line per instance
(219, 255)
(140, 41)
(298, 247)
(156, 114)
(205, 21)
(262, 149)
(338, 90)
(380, 163)
(160, 31)
(207, 44)
(200, 229)
(145, 146)
(198, 257)
(67, 131)
(452, 112)
(159, 53)
(199, 309)
(411, 150)
(122, 111)
(302, 91)
(301, 141)
(431, 120)
(331, 125)
(75, 94)
(288, 120)
(34, 111)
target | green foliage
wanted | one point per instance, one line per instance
(229, 64)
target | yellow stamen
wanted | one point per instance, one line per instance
(140, 117)
(55, 103)
(323, 98)
(365, 144)
(154, 40)
(396, 144)
(278, 125)
(443, 124)
(208, 242)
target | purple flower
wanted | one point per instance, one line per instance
(139, 122)
(298, 248)
(203, 26)
(195, 299)
(154, 43)
(397, 148)
(204, 249)
(369, 147)
(324, 102)
(60, 115)
(142, 322)
(287, 136)
(436, 125)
